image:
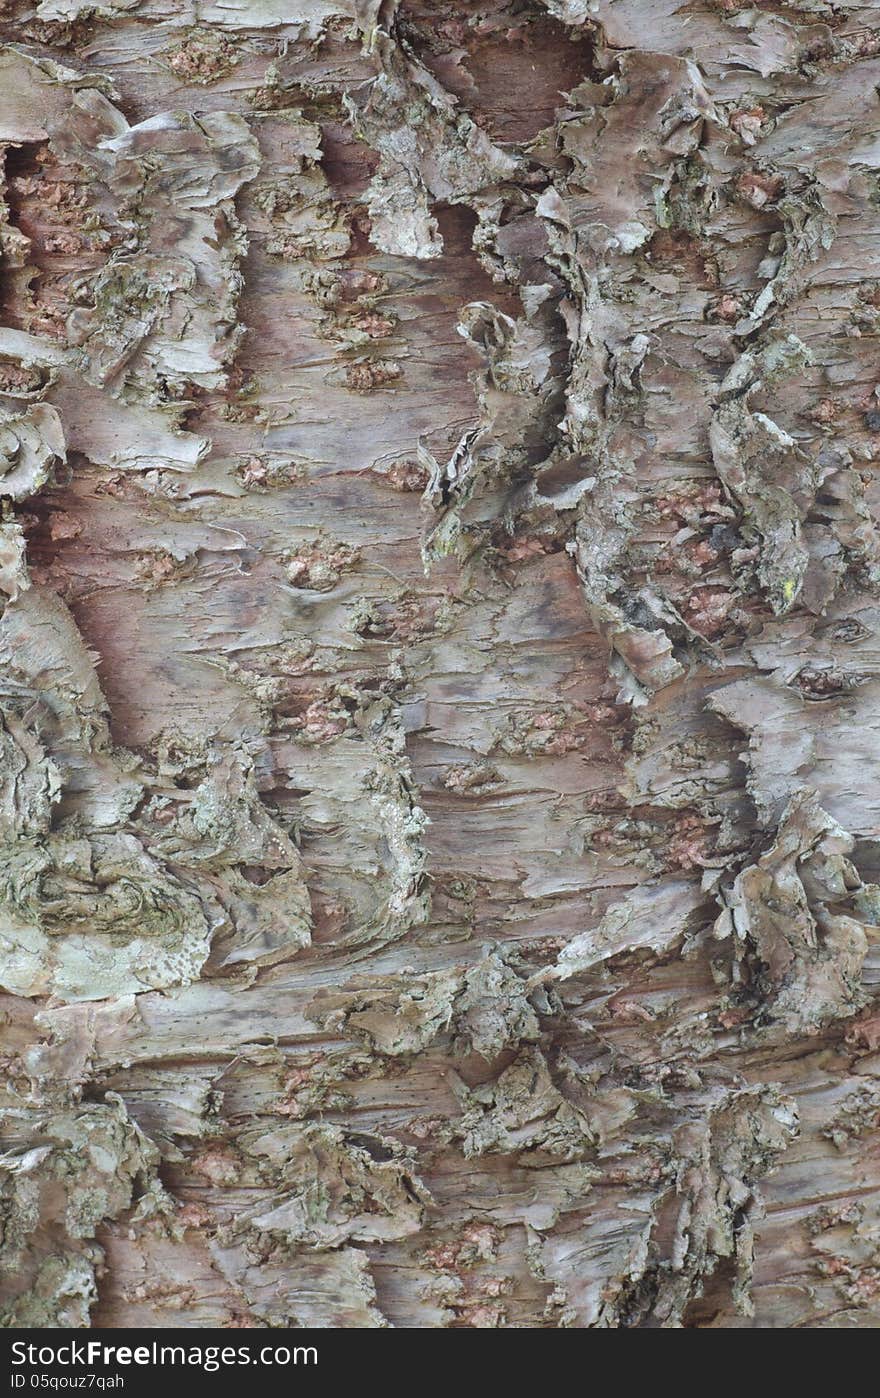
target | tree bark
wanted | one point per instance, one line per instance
(439, 669)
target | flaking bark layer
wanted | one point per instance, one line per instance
(439, 675)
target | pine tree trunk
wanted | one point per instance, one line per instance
(439, 669)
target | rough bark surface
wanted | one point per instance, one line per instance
(440, 663)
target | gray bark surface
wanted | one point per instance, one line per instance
(439, 663)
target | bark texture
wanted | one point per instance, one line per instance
(440, 663)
